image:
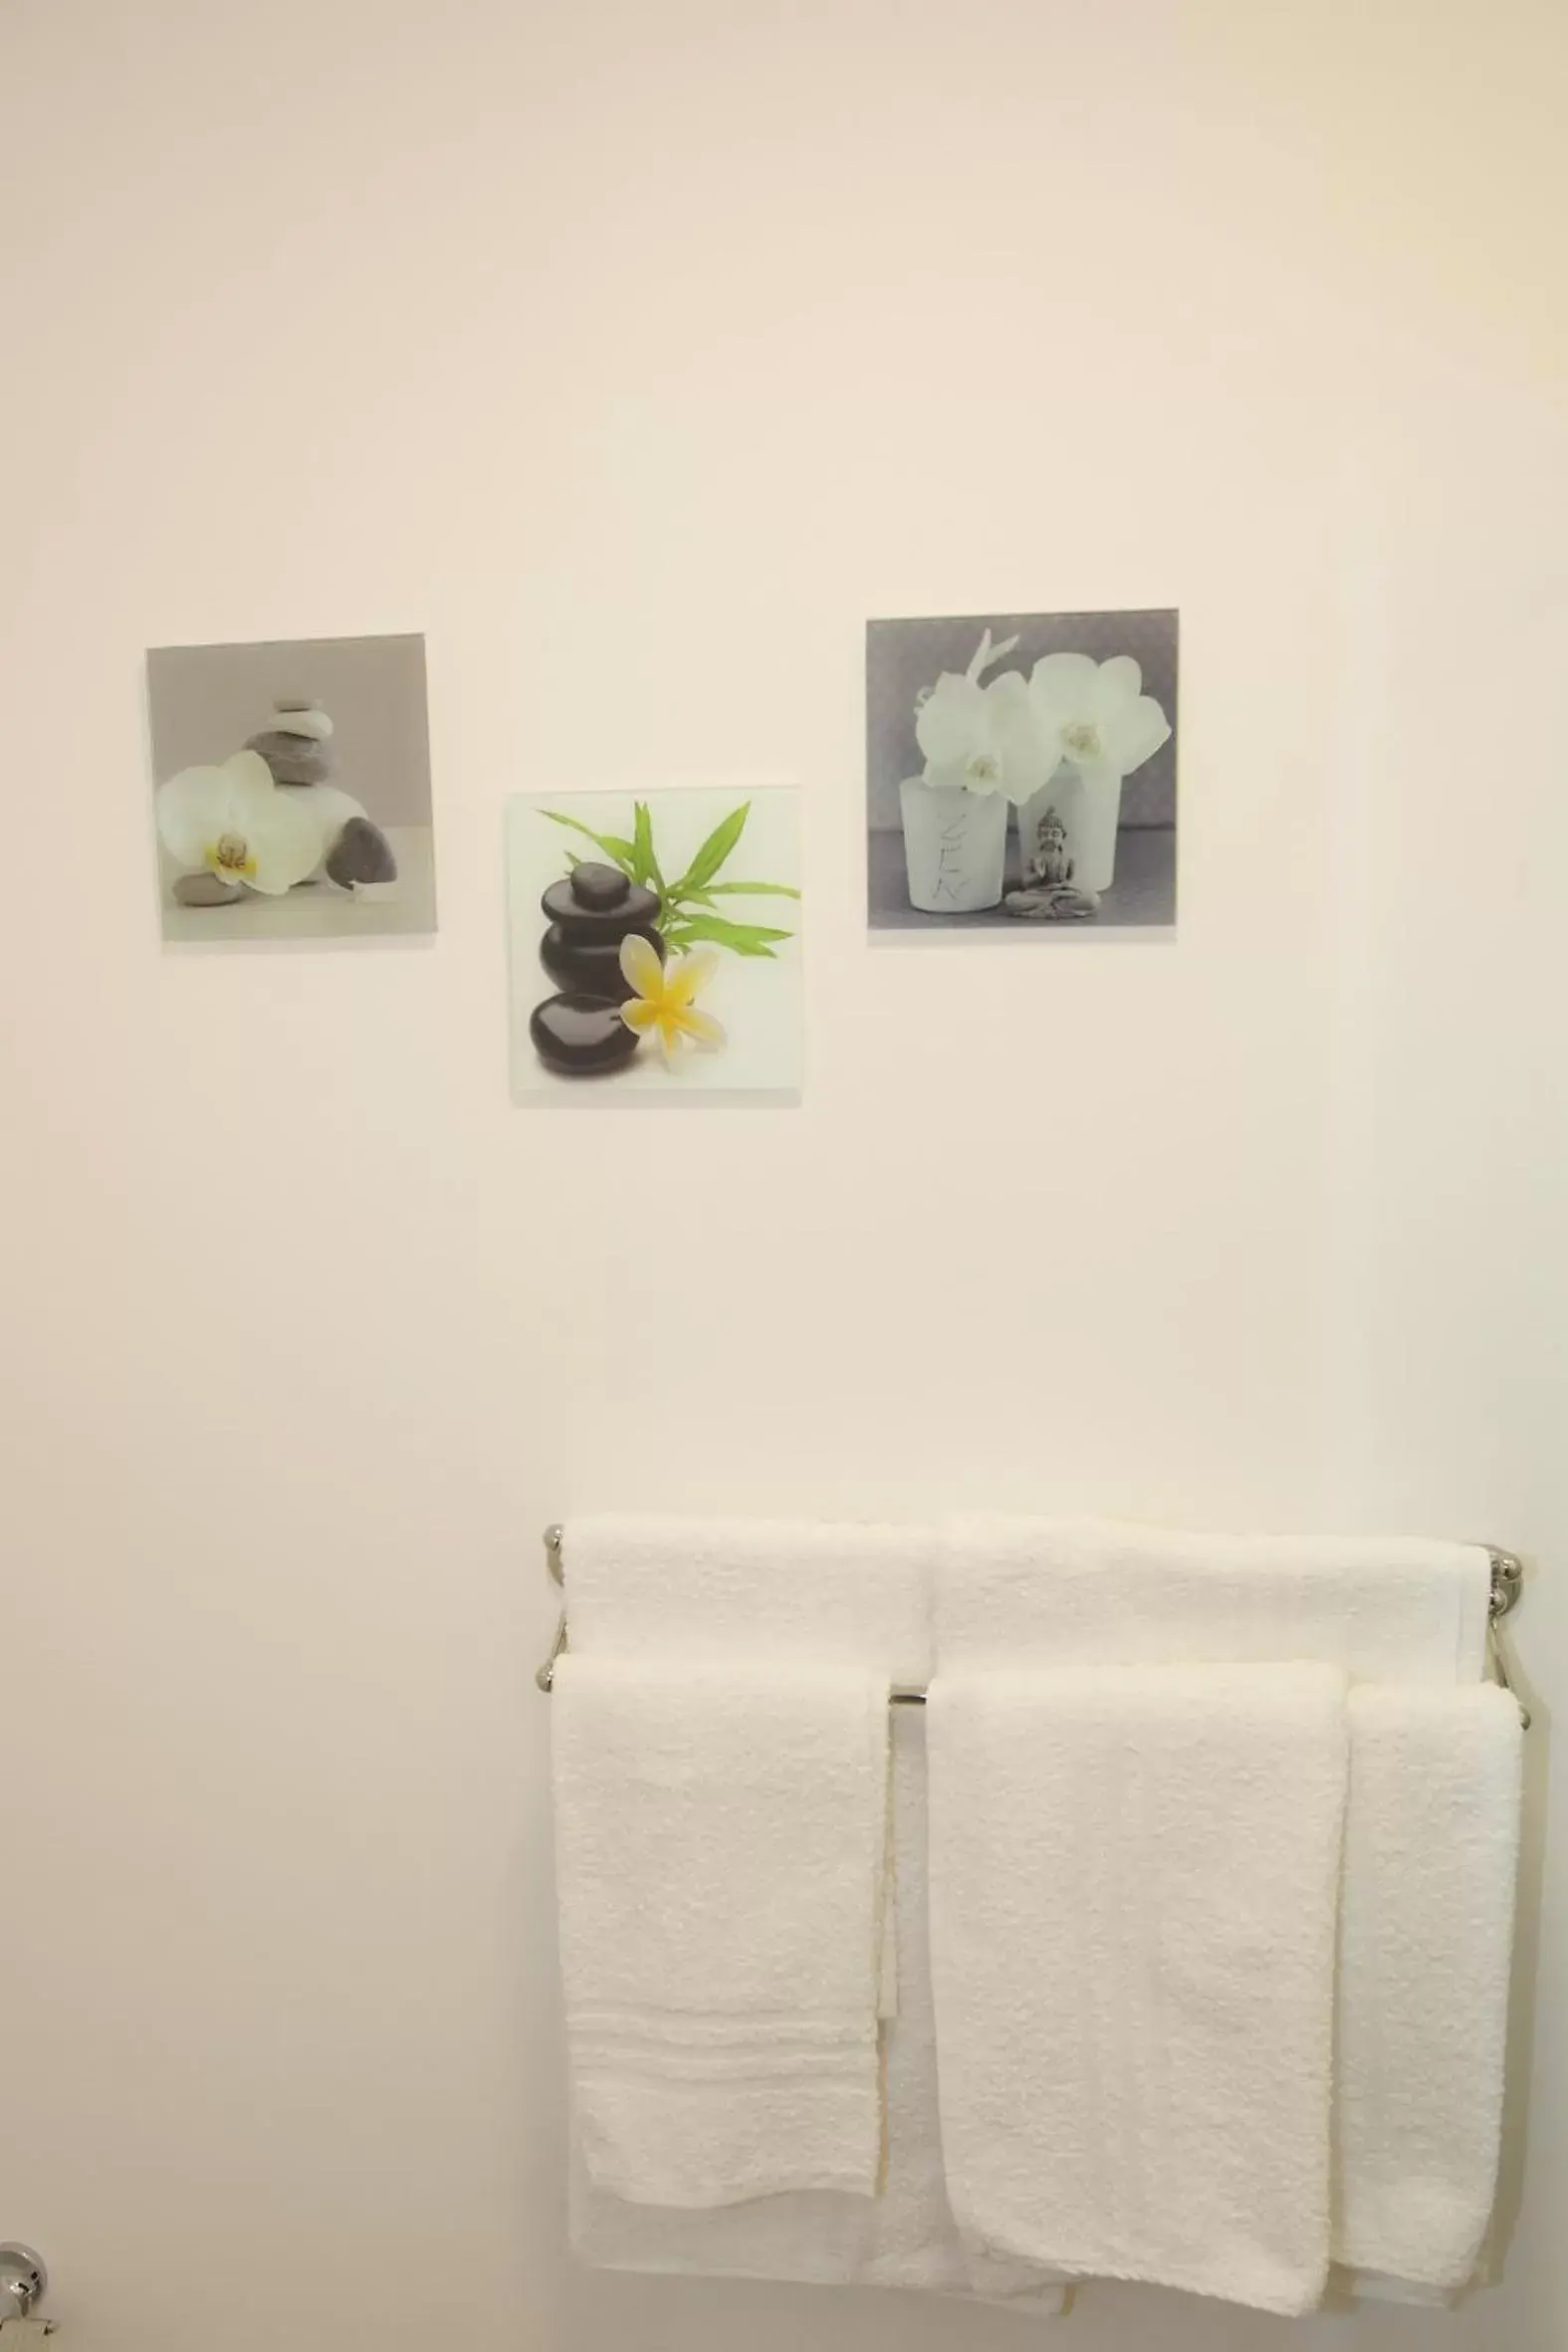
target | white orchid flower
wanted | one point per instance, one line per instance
(234, 821)
(1105, 723)
(986, 739)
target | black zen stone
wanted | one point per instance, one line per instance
(589, 963)
(580, 1036)
(598, 887)
(634, 910)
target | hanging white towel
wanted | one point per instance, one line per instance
(721, 1864)
(812, 1593)
(1400, 1612)
(909, 2236)
(1075, 1591)
(846, 1593)
(1134, 1877)
(904, 2237)
(1431, 1841)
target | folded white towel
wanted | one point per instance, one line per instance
(1431, 1837)
(721, 1865)
(1134, 1876)
(1384, 1608)
(819, 1592)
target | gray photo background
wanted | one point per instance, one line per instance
(206, 700)
(902, 656)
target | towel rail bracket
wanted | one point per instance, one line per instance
(1507, 1583)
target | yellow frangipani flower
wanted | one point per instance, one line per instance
(663, 1001)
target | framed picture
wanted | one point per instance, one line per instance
(1020, 774)
(655, 947)
(291, 790)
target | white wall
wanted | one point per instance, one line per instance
(636, 354)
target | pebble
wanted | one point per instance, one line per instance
(206, 889)
(360, 853)
(588, 964)
(632, 910)
(580, 1036)
(302, 718)
(598, 887)
(292, 758)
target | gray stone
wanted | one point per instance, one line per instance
(360, 853)
(294, 758)
(206, 889)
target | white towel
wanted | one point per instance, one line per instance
(818, 1592)
(815, 1593)
(722, 1868)
(1078, 1591)
(1431, 1841)
(905, 2238)
(1134, 1876)
(910, 2238)
(809, 1591)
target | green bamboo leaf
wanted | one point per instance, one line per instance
(754, 890)
(642, 864)
(715, 849)
(742, 939)
(620, 851)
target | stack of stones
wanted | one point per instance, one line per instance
(298, 748)
(579, 1031)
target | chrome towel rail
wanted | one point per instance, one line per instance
(1507, 1579)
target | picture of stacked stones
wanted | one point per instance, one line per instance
(299, 752)
(579, 1031)
(292, 796)
(654, 946)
